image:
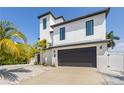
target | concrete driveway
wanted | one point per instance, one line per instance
(13, 74)
(67, 76)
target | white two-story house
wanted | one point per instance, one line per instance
(76, 42)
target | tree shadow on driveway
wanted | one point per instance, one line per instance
(115, 76)
(9, 74)
(112, 79)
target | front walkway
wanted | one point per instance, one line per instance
(68, 76)
(13, 74)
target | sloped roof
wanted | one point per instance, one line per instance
(106, 10)
(47, 13)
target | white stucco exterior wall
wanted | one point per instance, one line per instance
(52, 21)
(45, 33)
(76, 31)
(59, 20)
(99, 52)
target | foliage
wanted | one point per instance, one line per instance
(112, 37)
(8, 34)
(42, 44)
(25, 52)
(11, 51)
(45, 64)
(13, 47)
(8, 46)
(54, 65)
(36, 63)
(33, 51)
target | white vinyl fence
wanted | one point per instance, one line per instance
(111, 62)
(116, 62)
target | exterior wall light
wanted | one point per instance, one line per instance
(100, 47)
(54, 53)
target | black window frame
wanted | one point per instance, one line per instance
(44, 23)
(91, 32)
(62, 32)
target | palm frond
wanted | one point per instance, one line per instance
(8, 46)
(5, 23)
(42, 43)
(110, 33)
(112, 37)
(116, 38)
(25, 50)
(7, 30)
(10, 28)
(16, 34)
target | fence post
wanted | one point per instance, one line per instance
(108, 55)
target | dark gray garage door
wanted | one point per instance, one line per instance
(85, 57)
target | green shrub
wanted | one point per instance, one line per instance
(11, 61)
(54, 65)
(45, 64)
(36, 63)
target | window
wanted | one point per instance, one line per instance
(89, 28)
(44, 23)
(62, 33)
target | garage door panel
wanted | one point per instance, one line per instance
(77, 57)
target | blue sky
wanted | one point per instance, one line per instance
(25, 19)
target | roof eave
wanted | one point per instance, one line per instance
(60, 17)
(95, 42)
(85, 16)
(47, 13)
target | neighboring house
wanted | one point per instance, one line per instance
(76, 42)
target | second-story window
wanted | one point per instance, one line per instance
(62, 33)
(89, 27)
(44, 23)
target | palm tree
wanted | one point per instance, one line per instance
(112, 37)
(42, 44)
(8, 36)
(25, 52)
